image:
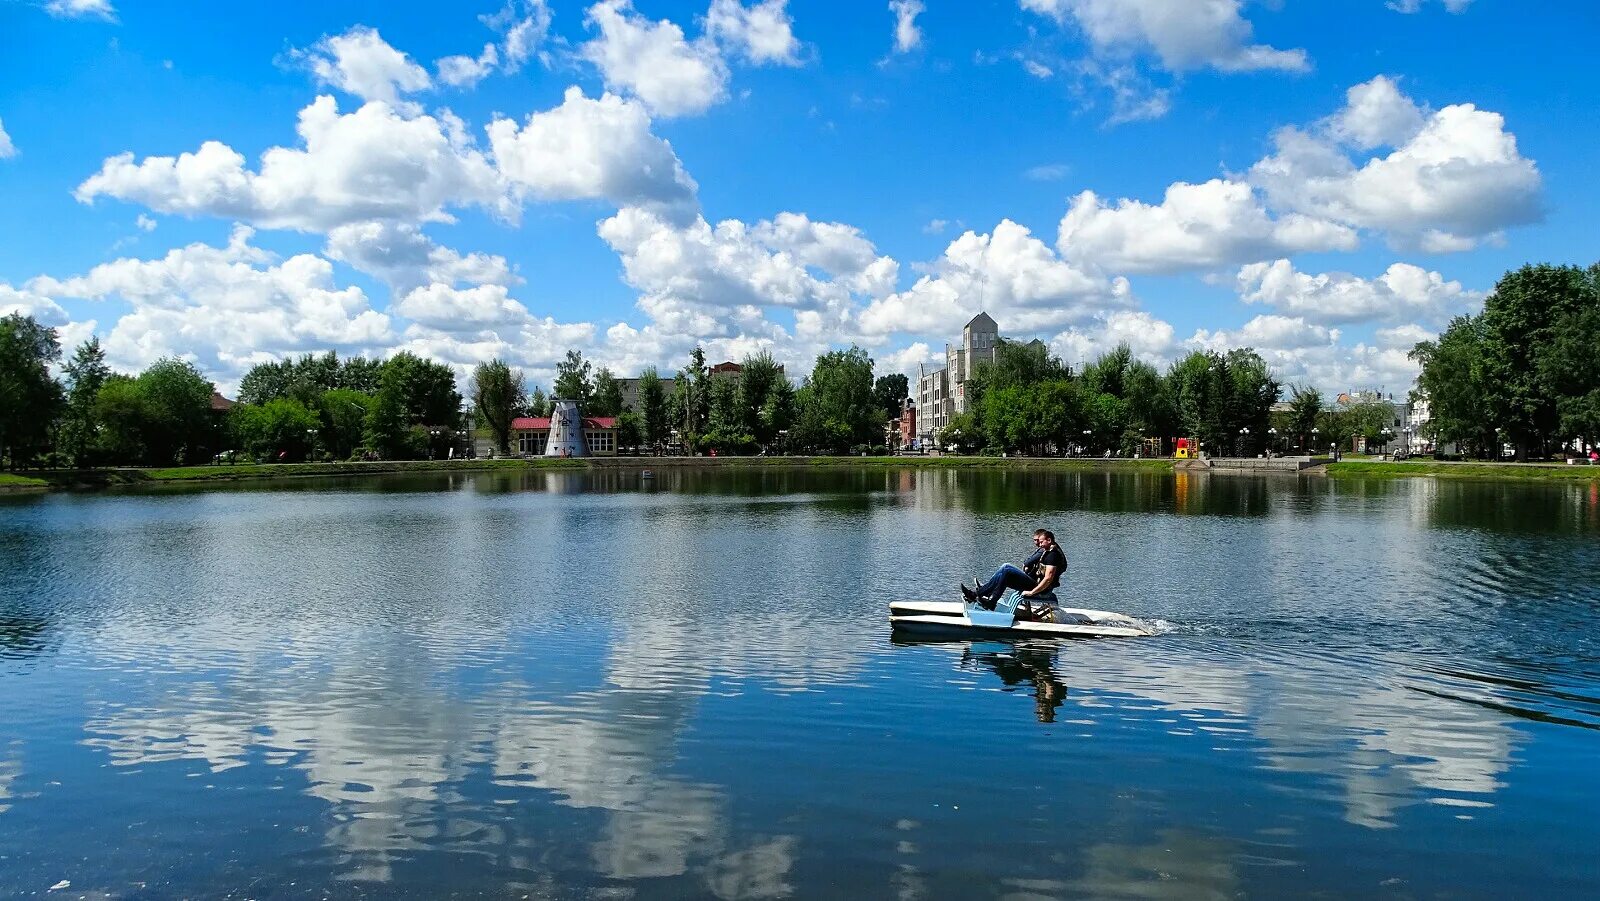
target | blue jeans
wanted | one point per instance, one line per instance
(1007, 576)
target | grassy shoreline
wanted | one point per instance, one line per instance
(1520, 472)
(10, 482)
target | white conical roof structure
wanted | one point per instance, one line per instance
(566, 431)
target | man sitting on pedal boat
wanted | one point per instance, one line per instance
(1036, 579)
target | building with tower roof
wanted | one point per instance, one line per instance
(942, 393)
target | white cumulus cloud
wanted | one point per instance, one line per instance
(1217, 223)
(405, 258)
(654, 62)
(1403, 291)
(760, 33)
(1148, 337)
(372, 164)
(523, 26)
(1454, 177)
(360, 62)
(907, 36)
(7, 149)
(1009, 273)
(225, 306)
(594, 149)
(1183, 34)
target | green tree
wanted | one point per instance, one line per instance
(177, 407)
(282, 429)
(1569, 367)
(1149, 401)
(1030, 418)
(119, 409)
(344, 413)
(765, 398)
(691, 401)
(1455, 380)
(835, 408)
(890, 392)
(1305, 411)
(427, 390)
(388, 426)
(607, 400)
(361, 374)
(652, 408)
(497, 392)
(1369, 419)
(30, 398)
(1519, 320)
(538, 403)
(630, 429)
(572, 380)
(726, 427)
(86, 374)
(266, 381)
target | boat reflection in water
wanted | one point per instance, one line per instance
(1019, 664)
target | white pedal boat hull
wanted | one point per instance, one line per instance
(952, 616)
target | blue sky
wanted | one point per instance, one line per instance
(1326, 182)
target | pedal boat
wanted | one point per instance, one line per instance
(953, 617)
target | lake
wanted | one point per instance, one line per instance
(590, 685)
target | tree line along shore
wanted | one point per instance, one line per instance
(1523, 375)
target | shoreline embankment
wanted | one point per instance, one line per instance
(92, 479)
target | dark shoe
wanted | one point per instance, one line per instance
(968, 593)
(987, 603)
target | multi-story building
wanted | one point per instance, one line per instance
(942, 393)
(630, 391)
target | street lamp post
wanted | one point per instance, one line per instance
(311, 438)
(433, 434)
(1244, 437)
(1272, 439)
(1086, 434)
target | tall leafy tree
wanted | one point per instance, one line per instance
(652, 408)
(726, 425)
(361, 374)
(890, 392)
(835, 408)
(427, 389)
(762, 385)
(1305, 411)
(30, 398)
(119, 409)
(282, 429)
(86, 374)
(497, 393)
(343, 412)
(266, 381)
(1569, 367)
(691, 400)
(572, 380)
(538, 403)
(388, 426)
(1149, 400)
(607, 399)
(1519, 320)
(177, 407)
(1455, 379)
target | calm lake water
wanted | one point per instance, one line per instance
(589, 685)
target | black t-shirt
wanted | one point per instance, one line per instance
(1041, 558)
